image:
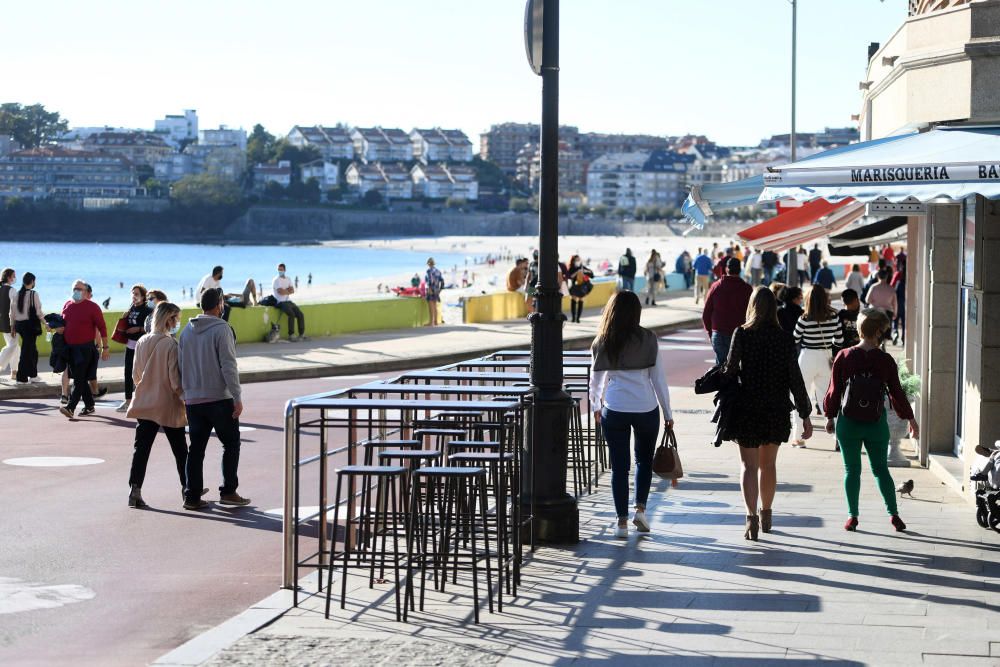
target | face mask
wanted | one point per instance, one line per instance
(576, 264)
(77, 295)
(281, 274)
(152, 304)
(174, 329)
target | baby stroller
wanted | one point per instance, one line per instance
(986, 476)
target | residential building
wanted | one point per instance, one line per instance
(8, 145)
(377, 144)
(140, 148)
(333, 143)
(74, 136)
(178, 129)
(437, 145)
(627, 180)
(174, 167)
(227, 161)
(523, 163)
(501, 144)
(596, 144)
(223, 136)
(326, 173)
(265, 174)
(465, 183)
(398, 184)
(66, 175)
(572, 168)
(442, 180)
(391, 179)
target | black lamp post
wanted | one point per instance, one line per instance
(556, 517)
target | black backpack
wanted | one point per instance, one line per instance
(864, 398)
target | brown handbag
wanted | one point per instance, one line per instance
(666, 460)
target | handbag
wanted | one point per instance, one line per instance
(33, 318)
(666, 460)
(119, 336)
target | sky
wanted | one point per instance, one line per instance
(714, 67)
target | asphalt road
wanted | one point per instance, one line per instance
(84, 580)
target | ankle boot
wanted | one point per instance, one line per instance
(135, 497)
(765, 521)
(753, 526)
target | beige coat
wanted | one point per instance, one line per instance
(158, 394)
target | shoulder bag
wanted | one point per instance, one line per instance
(666, 460)
(119, 335)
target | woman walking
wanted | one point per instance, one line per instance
(26, 320)
(654, 276)
(135, 319)
(628, 389)
(11, 351)
(855, 280)
(154, 297)
(158, 401)
(580, 285)
(866, 373)
(762, 355)
(818, 332)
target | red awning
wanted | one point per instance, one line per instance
(795, 226)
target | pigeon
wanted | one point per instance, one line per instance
(906, 487)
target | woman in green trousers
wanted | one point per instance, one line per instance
(862, 375)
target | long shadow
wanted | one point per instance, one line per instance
(241, 517)
(788, 487)
(23, 408)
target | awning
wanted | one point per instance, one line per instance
(857, 241)
(802, 224)
(949, 162)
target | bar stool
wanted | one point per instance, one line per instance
(409, 460)
(579, 459)
(384, 517)
(393, 444)
(439, 436)
(452, 512)
(456, 446)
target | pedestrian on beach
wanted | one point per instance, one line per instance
(434, 283)
(153, 298)
(95, 352)
(531, 282)
(282, 289)
(702, 275)
(627, 266)
(26, 318)
(824, 277)
(309, 280)
(580, 285)
(791, 307)
(84, 324)
(855, 281)
(654, 276)
(762, 355)
(726, 309)
(210, 380)
(11, 352)
(158, 399)
(818, 333)
(866, 374)
(135, 328)
(628, 391)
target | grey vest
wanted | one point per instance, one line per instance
(640, 352)
(5, 295)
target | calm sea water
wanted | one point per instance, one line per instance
(173, 267)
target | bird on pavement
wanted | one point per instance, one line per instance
(906, 487)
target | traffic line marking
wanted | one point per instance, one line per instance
(52, 462)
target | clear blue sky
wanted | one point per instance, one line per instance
(716, 67)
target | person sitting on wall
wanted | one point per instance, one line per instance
(214, 281)
(282, 288)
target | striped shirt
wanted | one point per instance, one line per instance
(819, 335)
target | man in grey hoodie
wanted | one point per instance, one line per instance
(212, 396)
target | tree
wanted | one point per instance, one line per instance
(372, 199)
(455, 202)
(31, 126)
(520, 205)
(260, 146)
(205, 190)
(619, 212)
(297, 155)
(600, 210)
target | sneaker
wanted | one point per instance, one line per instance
(640, 521)
(621, 532)
(897, 523)
(293, 338)
(101, 391)
(65, 412)
(86, 412)
(234, 499)
(195, 504)
(22, 383)
(304, 338)
(36, 380)
(64, 399)
(203, 492)
(123, 406)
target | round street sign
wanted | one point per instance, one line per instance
(534, 11)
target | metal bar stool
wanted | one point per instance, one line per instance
(389, 444)
(456, 446)
(439, 522)
(409, 460)
(385, 516)
(439, 436)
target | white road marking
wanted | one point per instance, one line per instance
(18, 596)
(52, 461)
(686, 347)
(350, 377)
(685, 339)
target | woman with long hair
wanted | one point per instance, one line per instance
(26, 321)
(158, 401)
(818, 333)
(11, 351)
(580, 285)
(870, 374)
(135, 319)
(654, 276)
(628, 390)
(762, 355)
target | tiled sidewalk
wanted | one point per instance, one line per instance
(694, 591)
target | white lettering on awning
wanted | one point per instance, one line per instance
(900, 175)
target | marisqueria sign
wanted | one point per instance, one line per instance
(898, 174)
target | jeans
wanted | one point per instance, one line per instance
(11, 352)
(145, 433)
(874, 436)
(628, 284)
(618, 428)
(82, 364)
(129, 383)
(294, 313)
(720, 343)
(202, 418)
(27, 364)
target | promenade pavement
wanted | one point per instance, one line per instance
(379, 351)
(691, 592)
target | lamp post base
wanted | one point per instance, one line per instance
(556, 521)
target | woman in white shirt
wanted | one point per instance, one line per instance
(628, 388)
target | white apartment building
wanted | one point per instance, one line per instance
(280, 173)
(627, 180)
(437, 145)
(391, 179)
(326, 173)
(177, 128)
(440, 181)
(223, 136)
(333, 143)
(377, 144)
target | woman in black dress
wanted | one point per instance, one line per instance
(763, 356)
(580, 285)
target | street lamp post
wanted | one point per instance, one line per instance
(555, 514)
(792, 266)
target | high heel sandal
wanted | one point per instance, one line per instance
(753, 526)
(765, 521)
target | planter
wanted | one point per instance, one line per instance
(897, 434)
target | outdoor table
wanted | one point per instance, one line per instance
(517, 363)
(517, 354)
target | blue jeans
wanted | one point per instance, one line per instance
(618, 427)
(720, 343)
(202, 418)
(628, 284)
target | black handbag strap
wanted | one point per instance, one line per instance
(669, 438)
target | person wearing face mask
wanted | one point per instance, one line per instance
(95, 352)
(153, 298)
(135, 319)
(11, 351)
(25, 318)
(84, 322)
(158, 401)
(282, 289)
(580, 286)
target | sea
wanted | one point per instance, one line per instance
(112, 268)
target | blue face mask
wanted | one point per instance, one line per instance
(174, 329)
(77, 295)
(281, 274)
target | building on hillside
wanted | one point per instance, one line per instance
(327, 174)
(67, 175)
(390, 179)
(523, 163)
(140, 148)
(177, 129)
(174, 167)
(437, 145)
(223, 136)
(501, 144)
(596, 144)
(628, 180)
(222, 160)
(431, 181)
(465, 182)
(72, 138)
(333, 143)
(572, 168)
(265, 174)
(377, 144)
(8, 145)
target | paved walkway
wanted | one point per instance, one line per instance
(382, 350)
(693, 591)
